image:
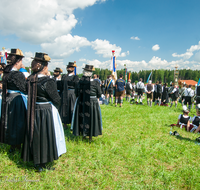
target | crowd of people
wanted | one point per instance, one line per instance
(159, 93)
(37, 107)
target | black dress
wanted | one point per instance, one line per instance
(68, 97)
(12, 132)
(43, 147)
(87, 119)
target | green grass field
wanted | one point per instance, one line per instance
(134, 152)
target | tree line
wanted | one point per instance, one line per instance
(166, 76)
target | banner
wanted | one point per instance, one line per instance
(113, 65)
(149, 77)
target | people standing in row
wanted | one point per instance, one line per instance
(149, 91)
(14, 102)
(44, 137)
(140, 91)
(120, 87)
(68, 97)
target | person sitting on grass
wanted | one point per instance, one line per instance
(184, 119)
(196, 120)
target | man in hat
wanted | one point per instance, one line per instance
(174, 95)
(129, 88)
(189, 93)
(140, 90)
(109, 84)
(120, 87)
(182, 93)
(158, 93)
(57, 77)
(68, 97)
(149, 91)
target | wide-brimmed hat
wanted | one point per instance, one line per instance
(185, 109)
(71, 64)
(89, 68)
(58, 70)
(41, 57)
(17, 52)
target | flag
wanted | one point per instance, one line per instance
(113, 66)
(129, 76)
(149, 77)
(75, 68)
(198, 82)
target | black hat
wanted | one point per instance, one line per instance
(71, 64)
(89, 68)
(41, 57)
(17, 52)
(58, 70)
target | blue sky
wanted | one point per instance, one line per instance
(146, 34)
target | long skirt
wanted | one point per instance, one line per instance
(15, 120)
(44, 146)
(95, 117)
(67, 108)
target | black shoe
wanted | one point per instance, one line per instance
(175, 133)
(115, 105)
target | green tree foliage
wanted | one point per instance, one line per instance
(158, 74)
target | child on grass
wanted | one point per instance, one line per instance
(196, 120)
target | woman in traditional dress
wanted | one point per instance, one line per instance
(87, 119)
(14, 102)
(44, 138)
(68, 98)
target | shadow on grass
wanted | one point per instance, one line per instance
(185, 139)
(70, 137)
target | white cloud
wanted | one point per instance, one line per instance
(65, 45)
(189, 52)
(197, 56)
(103, 47)
(185, 55)
(27, 58)
(135, 38)
(40, 21)
(156, 47)
(82, 59)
